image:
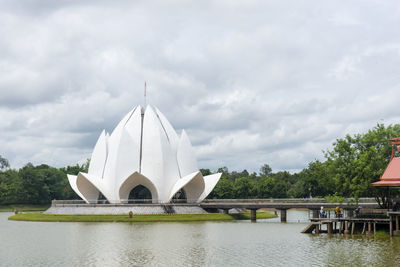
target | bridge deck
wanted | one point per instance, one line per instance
(283, 206)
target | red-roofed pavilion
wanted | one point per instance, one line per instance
(391, 176)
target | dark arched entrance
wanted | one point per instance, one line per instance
(102, 199)
(179, 197)
(139, 194)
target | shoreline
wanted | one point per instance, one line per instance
(24, 207)
(41, 217)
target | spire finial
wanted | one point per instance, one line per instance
(145, 87)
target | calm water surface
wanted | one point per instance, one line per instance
(241, 243)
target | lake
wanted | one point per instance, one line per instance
(239, 243)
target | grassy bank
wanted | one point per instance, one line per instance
(38, 216)
(22, 207)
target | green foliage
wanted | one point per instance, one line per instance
(348, 171)
(36, 184)
(265, 170)
(223, 189)
(335, 198)
(3, 163)
(353, 163)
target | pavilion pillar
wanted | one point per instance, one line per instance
(349, 213)
(397, 225)
(315, 213)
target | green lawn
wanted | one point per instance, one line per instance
(38, 216)
(22, 207)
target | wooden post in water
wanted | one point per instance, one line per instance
(397, 225)
(346, 227)
(374, 227)
(353, 225)
(329, 226)
(390, 225)
(317, 228)
(369, 228)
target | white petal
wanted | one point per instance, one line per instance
(194, 188)
(114, 141)
(72, 182)
(99, 156)
(171, 134)
(89, 192)
(181, 183)
(210, 182)
(186, 156)
(158, 162)
(128, 154)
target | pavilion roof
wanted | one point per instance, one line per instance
(391, 176)
(395, 141)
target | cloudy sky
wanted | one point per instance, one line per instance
(252, 82)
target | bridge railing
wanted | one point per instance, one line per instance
(287, 200)
(103, 202)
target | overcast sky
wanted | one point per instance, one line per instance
(252, 82)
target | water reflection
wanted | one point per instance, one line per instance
(241, 243)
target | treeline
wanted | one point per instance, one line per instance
(348, 170)
(36, 184)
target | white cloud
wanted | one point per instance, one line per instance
(252, 82)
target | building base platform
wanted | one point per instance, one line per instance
(125, 209)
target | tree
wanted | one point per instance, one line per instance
(357, 161)
(243, 187)
(205, 172)
(265, 185)
(223, 189)
(4, 164)
(265, 170)
(9, 187)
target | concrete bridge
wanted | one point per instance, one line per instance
(284, 204)
(280, 204)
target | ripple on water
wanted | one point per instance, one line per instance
(265, 243)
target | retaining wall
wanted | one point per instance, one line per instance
(116, 210)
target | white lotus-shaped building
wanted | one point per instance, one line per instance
(143, 150)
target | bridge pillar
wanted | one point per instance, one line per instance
(253, 215)
(283, 215)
